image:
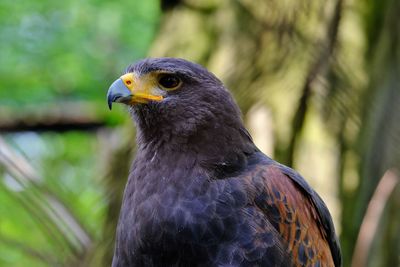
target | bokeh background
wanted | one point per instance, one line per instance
(318, 83)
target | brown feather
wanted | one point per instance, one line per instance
(294, 216)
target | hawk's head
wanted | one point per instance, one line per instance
(181, 103)
(173, 91)
(162, 80)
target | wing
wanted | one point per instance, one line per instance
(296, 212)
(324, 217)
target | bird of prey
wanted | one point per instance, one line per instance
(199, 192)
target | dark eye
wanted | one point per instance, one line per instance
(169, 81)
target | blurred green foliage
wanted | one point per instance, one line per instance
(68, 50)
(66, 163)
(52, 53)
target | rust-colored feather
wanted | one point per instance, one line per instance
(289, 208)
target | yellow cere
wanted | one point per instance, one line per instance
(129, 80)
(141, 87)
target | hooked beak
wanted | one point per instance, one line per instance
(118, 92)
(129, 89)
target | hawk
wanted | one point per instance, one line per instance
(200, 193)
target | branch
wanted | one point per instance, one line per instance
(372, 217)
(57, 118)
(318, 67)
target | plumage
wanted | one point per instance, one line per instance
(199, 192)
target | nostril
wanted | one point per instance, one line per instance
(116, 97)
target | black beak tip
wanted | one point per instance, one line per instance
(109, 100)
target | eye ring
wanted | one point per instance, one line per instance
(169, 81)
